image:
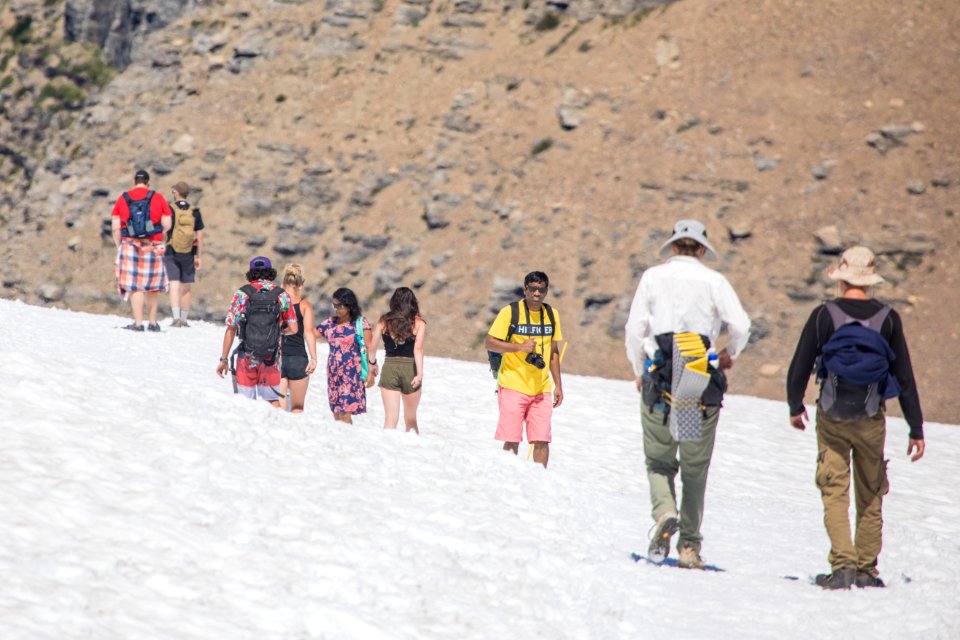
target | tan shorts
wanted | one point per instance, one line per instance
(397, 373)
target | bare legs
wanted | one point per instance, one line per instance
(391, 409)
(298, 394)
(541, 451)
(180, 297)
(136, 302)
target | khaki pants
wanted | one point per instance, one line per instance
(836, 439)
(663, 464)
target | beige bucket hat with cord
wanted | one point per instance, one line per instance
(692, 229)
(858, 266)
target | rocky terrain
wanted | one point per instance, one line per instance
(455, 145)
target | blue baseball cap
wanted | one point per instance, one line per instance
(260, 262)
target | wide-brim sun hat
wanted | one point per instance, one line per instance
(858, 266)
(693, 230)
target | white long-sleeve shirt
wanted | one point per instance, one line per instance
(683, 294)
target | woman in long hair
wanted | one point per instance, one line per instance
(344, 331)
(403, 331)
(295, 365)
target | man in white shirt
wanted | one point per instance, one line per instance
(680, 295)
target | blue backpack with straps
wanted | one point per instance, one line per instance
(139, 224)
(854, 366)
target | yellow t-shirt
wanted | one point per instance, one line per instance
(516, 373)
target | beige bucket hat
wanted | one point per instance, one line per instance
(858, 266)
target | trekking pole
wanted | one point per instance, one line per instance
(530, 451)
(233, 370)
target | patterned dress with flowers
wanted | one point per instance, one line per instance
(345, 388)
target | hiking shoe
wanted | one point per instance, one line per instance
(840, 579)
(659, 549)
(865, 579)
(689, 558)
(184, 324)
(177, 323)
(133, 326)
(153, 326)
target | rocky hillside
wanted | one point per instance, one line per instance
(455, 145)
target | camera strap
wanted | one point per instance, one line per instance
(543, 312)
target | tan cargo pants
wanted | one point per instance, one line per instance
(836, 440)
(663, 464)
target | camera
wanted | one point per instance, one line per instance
(536, 359)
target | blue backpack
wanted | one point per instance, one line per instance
(854, 366)
(139, 224)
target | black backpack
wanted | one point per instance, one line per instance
(495, 358)
(259, 329)
(139, 224)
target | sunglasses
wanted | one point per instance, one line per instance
(337, 305)
(533, 289)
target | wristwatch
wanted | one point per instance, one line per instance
(224, 360)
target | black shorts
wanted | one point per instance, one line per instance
(294, 367)
(180, 267)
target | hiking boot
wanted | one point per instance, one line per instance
(840, 579)
(133, 326)
(153, 326)
(177, 323)
(689, 558)
(865, 579)
(659, 549)
(184, 324)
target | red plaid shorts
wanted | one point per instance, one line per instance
(140, 266)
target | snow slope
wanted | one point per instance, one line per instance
(139, 498)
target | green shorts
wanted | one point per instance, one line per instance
(397, 373)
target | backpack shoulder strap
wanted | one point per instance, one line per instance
(837, 315)
(127, 198)
(550, 313)
(876, 321)
(248, 289)
(514, 319)
(150, 196)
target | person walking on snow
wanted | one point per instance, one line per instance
(531, 356)
(680, 295)
(139, 218)
(858, 347)
(261, 312)
(184, 253)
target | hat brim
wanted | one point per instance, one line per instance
(665, 251)
(867, 280)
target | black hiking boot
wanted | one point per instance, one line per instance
(153, 326)
(659, 548)
(865, 579)
(133, 326)
(839, 579)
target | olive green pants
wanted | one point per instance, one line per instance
(663, 463)
(836, 441)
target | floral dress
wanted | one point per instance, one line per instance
(346, 390)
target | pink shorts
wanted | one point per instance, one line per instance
(517, 408)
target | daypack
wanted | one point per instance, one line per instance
(495, 358)
(854, 366)
(183, 234)
(259, 330)
(364, 365)
(658, 377)
(139, 224)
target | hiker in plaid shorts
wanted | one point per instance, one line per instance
(139, 265)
